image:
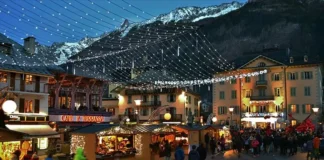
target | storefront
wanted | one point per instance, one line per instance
(106, 141)
(11, 141)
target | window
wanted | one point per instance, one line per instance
(277, 92)
(307, 108)
(196, 101)
(144, 98)
(293, 108)
(129, 99)
(111, 111)
(247, 79)
(278, 108)
(276, 77)
(262, 64)
(236, 110)
(262, 92)
(221, 95)
(262, 109)
(222, 83)
(233, 81)
(307, 75)
(29, 79)
(222, 110)
(144, 111)
(234, 94)
(307, 91)
(3, 77)
(248, 109)
(261, 77)
(293, 91)
(188, 101)
(196, 113)
(171, 97)
(248, 93)
(28, 106)
(293, 76)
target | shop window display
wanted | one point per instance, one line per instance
(7, 148)
(111, 144)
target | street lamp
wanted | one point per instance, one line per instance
(9, 106)
(315, 110)
(184, 97)
(167, 116)
(138, 104)
(231, 109)
(214, 119)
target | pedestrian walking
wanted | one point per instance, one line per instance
(167, 150)
(207, 140)
(193, 154)
(202, 152)
(179, 153)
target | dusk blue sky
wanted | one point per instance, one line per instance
(70, 20)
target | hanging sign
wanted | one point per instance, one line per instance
(76, 118)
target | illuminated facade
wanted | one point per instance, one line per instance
(292, 86)
(180, 103)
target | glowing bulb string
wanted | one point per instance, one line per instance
(61, 26)
(14, 35)
(39, 26)
(123, 8)
(130, 5)
(85, 17)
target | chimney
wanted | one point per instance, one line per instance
(29, 45)
(291, 59)
(305, 58)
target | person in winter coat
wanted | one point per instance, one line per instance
(16, 155)
(193, 154)
(179, 153)
(49, 157)
(207, 140)
(79, 155)
(239, 145)
(167, 150)
(202, 152)
(212, 145)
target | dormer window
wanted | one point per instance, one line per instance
(262, 64)
(291, 60)
(305, 58)
(5, 48)
(29, 79)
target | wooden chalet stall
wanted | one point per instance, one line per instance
(104, 141)
(9, 142)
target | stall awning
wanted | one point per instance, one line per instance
(34, 130)
(9, 135)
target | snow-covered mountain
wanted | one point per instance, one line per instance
(58, 53)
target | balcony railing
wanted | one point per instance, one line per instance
(174, 118)
(261, 98)
(261, 83)
(32, 86)
(151, 104)
(53, 111)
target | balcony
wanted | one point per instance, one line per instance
(174, 118)
(261, 83)
(31, 87)
(262, 98)
(132, 117)
(151, 104)
(54, 111)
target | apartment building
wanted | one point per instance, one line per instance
(288, 91)
(25, 84)
(180, 102)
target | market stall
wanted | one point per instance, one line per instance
(104, 141)
(11, 141)
(225, 132)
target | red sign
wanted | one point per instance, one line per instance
(70, 118)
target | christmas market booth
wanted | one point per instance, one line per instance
(104, 141)
(11, 141)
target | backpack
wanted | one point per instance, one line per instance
(193, 155)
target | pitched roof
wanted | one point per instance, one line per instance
(146, 128)
(93, 128)
(19, 60)
(280, 56)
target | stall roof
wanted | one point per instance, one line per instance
(93, 128)
(146, 128)
(33, 130)
(11, 136)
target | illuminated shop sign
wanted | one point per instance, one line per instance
(74, 118)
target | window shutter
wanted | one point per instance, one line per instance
(174, 98)
(219, 113)
(296, 74)
(302, 75)
(297, 108)
(304, 109)
(142, 111)
(225, 110)
(272, 77)
(36, 110)
(288, 75)
(311, 75)
(289, 108)
(281, 76)
(21, 105)
(281, 91)
(168, 98)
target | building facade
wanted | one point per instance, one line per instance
(288, 91)
(180, 103)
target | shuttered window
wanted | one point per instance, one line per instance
(36, 110)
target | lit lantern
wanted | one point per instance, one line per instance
(138, 102)
(127, 119)
(214, 119)
(167, 116)
(9, 106)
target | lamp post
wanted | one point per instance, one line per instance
(138, 104)
(231, 109)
